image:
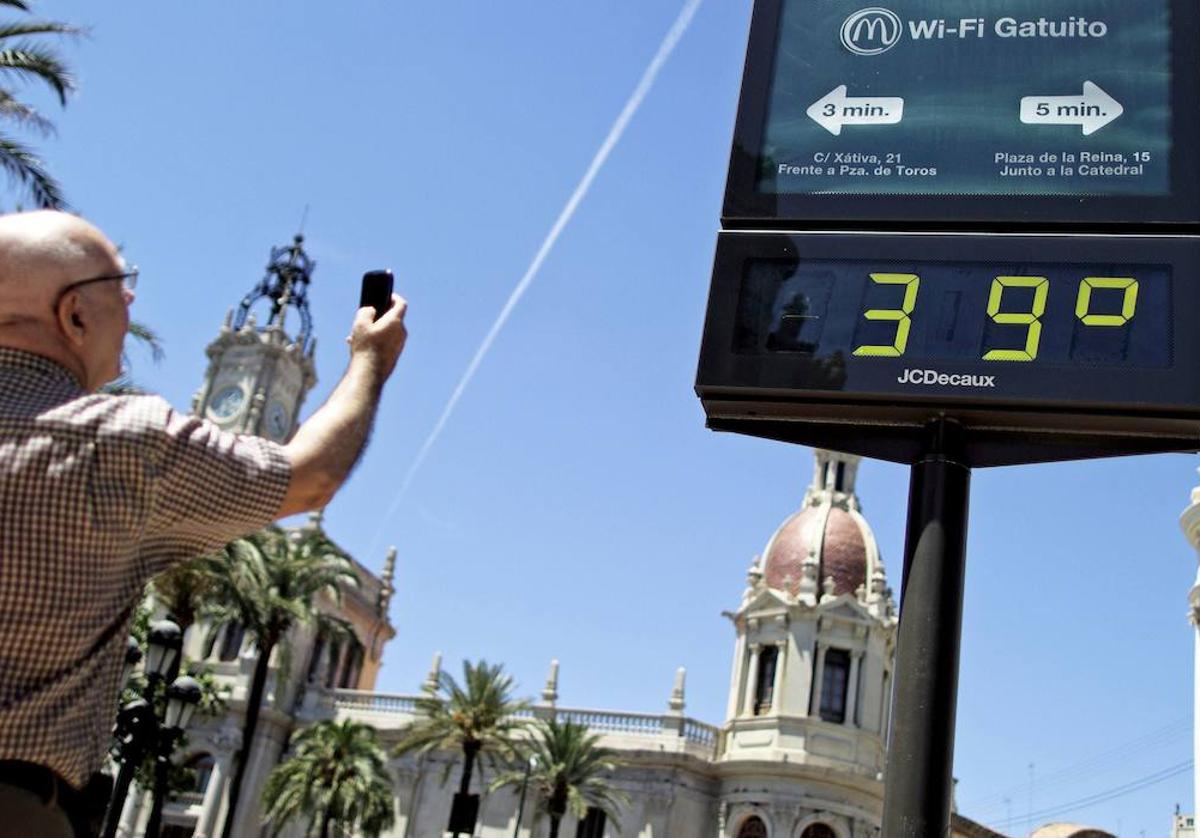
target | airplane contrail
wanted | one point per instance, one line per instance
(676, 32)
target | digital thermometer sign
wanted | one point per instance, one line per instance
(985, 211)
(1026, 334)
(1068, 315)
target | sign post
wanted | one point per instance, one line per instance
(956, 236)
(920, 757)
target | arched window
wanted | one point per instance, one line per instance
(202, 765)
(352, 667)
(314, 664)
(833, 685)
(752, 827)
(231, 641)
(335, 657)
(592, 825)
(818, 830)
(764, 687)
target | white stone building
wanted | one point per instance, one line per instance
(800, 753)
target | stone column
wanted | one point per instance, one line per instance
(818, 682)
(852, 689)
(777, 683)
(751, 679)
(736, 696)
(214, 797)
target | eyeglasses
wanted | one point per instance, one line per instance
(128, 282)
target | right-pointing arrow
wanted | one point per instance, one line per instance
(1092, 111)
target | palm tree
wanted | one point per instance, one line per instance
(123, 384)
(23, 59)
(569, 772)
(185, 589)
(336, 774)
(480, 717)
(268, 583)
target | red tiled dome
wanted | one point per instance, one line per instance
(841, 550)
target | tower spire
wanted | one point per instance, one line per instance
(289, 271)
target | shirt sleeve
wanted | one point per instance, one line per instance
(208, 487)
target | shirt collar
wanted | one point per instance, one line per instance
(29, 362)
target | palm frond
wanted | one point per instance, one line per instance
(16, 4)
(41, 63)
(25, 169)
(9, 29)
(23, 114)
(146, 336)
(571, 773)
(335, 769)
(479, 714)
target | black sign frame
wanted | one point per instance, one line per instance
(746, 208)
(781, 396)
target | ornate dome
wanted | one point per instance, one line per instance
(828, 538)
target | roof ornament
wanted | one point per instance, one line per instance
(387, 588)
(285, 285)
(829, 587)
(550, 691)
(754, 574)
(430, 684)
(676, 703)
(810, 569)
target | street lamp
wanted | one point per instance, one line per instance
(166, 642)
(530, 765)
(133, 656)
(182, 697)
(138, 731)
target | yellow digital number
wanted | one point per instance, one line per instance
(1128, 305)
(911, 283)
(1032, 319)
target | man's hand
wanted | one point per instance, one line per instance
(380, 340)
(326, 447)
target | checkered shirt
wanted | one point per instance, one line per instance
(97, 494)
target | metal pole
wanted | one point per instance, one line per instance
(117, 802)
(136, 724)
(920, 757)
(162, 762)
(521, 803)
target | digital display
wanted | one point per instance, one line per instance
(995, 314)
(1041, 345)
(968, 97)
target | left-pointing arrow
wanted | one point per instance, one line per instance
(835, 109)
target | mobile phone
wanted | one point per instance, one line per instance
(377, 291)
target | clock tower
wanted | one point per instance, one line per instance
(258, 375)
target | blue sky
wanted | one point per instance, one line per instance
(575, 507)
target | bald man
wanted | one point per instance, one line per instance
(98, 493)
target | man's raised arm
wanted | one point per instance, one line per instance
(326, 447)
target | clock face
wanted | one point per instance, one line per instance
(278, 423)
(227, 403)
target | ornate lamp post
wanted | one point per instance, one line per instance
(182, 697)
(138, 730)
(530, 765)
